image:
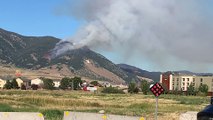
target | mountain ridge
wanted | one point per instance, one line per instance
(155, 76)
(36, 53)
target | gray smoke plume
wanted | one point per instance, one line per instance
(166, 34)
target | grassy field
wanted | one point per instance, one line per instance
(53, 103)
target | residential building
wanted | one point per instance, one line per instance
(2, 83)
(56, 83)
(179, 81)
(37, 81)
(19, 81)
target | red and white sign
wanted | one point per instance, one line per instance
(157, 89)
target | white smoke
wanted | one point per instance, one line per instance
(170, 34)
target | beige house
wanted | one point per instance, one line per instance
(19, 81)
(57, 83)
(2, 83)
(37, 81)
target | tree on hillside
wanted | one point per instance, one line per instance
(65, 83)
(145, 87)
(48, 83)
(14, 84)
(132, 88)
(203, 88)
(8, 85)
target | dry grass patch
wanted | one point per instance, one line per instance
(170, 106)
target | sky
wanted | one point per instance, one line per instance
(155, 35)
(36, 18)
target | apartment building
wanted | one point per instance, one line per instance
(180, 81)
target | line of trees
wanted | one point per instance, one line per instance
(202, 90)
(11, 84)
(70, 83)
(65, 83)
(75, 84)
(134, 88)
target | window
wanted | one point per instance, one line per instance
(177, 79)
(187, 84)
(183, 88)
(187, 79)
(201, 84)
(194, 79)
(201, 79)
(183, 79)
(183, 83)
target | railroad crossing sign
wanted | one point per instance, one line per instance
(157, 89)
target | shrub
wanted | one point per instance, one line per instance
(14, 84)
(76, 82)
(72, 83)
(5, 108)
(48, 83)
(191, 90)
(112, 90)
(23, 87)
(64, 84)
(203, 88)
(132, 88)
(53, 114)
(34, 87)
(8, 85)
(95, 83)
(145, 87)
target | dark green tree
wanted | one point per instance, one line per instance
(65, 83)
(191, 90)
(145, 87)
(203, 88)
(8, 85)
(176, 91)
(132, 88)
(76, 81)
(95, 83)
(23, 87)
(48, 84)
(14, 84)
(34, 87)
